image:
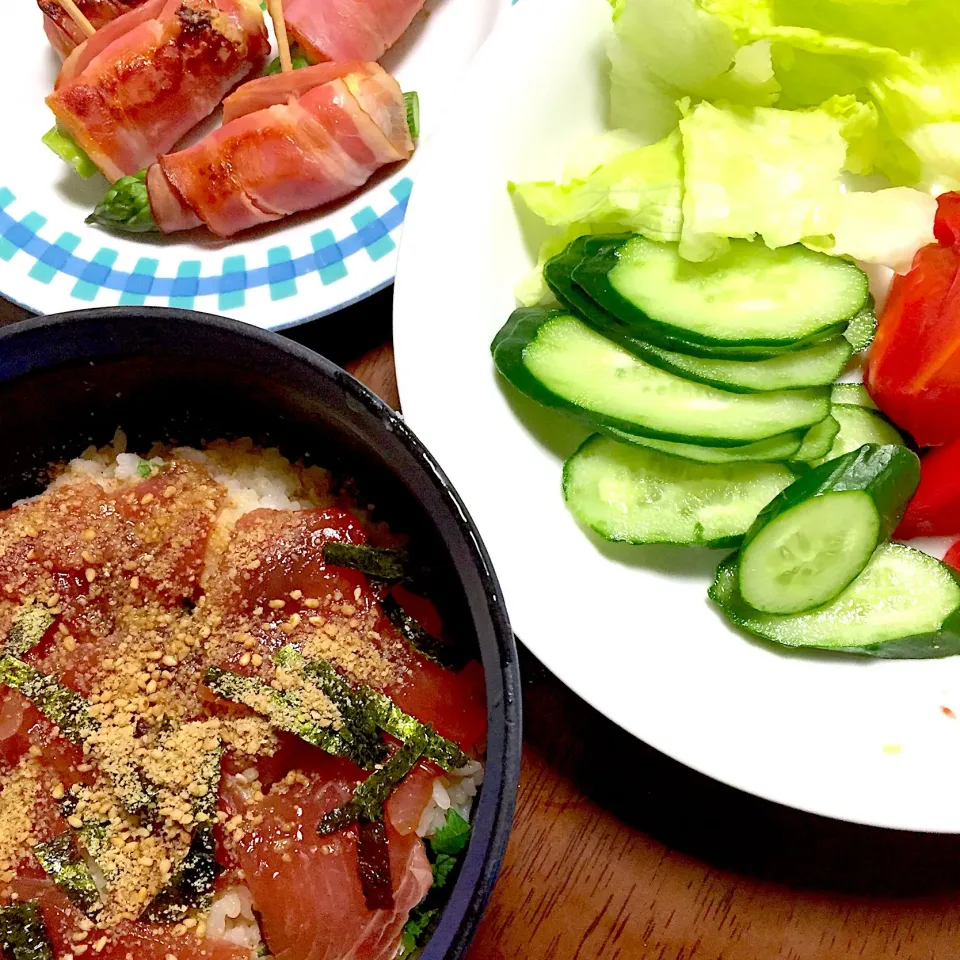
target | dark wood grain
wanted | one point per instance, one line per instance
(619, 853)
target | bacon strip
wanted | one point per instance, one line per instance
(64, 35)
(282, 87)
(289, 157)
(348, 29)
(130, 92)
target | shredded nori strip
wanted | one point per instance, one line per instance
(191, 887)
(284, 710)
(29, 626)
(442, 652)
(65, 865)
(376, 708)
(368, 799)
(373, 856)
(359, 730)
(59, 704)
(391, 566)
(70, 712)
(23, 934)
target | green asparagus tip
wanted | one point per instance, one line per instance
(411, 101)
(126, 206)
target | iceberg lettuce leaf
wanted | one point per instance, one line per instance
(761, 172)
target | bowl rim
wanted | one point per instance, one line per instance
(36, 344)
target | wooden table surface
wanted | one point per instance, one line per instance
(619, 852)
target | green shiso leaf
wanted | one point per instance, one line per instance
(65, 865)
(445, 847)
(23, 934)
(452, 838)
(29, 626)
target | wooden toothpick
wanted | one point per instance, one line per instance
(280, 29)
(78, 18)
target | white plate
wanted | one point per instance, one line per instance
(276, 277)
(628, 628)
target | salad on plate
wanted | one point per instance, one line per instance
(749, 290)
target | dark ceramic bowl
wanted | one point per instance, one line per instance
(70, 380)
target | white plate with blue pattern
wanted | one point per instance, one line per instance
(276, 277)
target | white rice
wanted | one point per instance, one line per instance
(254, 477)
(231, 918)
(452, 791)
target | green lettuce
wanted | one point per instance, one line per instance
(613, 187)
(664, 50)
(641, 190)
(886, 227)
(758, 172)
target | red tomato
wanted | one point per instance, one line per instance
(935, 509)
(914, 369)
(946, 227)
(952, 559)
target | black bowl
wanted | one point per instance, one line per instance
(174, 375)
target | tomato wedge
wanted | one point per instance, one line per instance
(914, 369)
(952, 559)
(935, 509)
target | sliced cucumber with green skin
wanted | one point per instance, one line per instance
(818, 440)
(813, 540)
(817, 366)
(852, 394)
(857, 427)
(557, 360)
(862, 328)
(774, 450)
(904, 605)
(750, 295)
(635, 337)
(633, 494)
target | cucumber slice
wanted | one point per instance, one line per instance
(776, 449)
(853, 395)
(816, 366)
(818, 440)
(639, 333)
(857, 427)
(905, 605)
(862, 328)
(812, 540)
(629, 493)
(751, 295)
(559, 361)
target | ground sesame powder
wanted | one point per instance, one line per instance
(152, 580)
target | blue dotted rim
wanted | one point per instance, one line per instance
(327, 257)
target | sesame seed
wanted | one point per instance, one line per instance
(148, 498)
(295, 594)
(277, 604)
(90, 574)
